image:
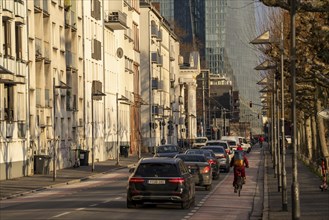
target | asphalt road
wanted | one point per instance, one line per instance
(103, 197)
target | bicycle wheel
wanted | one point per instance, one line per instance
(239, 185)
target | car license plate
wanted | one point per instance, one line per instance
(156, 182)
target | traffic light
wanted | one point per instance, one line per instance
(250, 104)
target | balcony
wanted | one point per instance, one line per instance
(172, 54)
(20, 12)
(45, 9)
(156, 58)
(39, 56)
(47, 52)
(70, 59)
(70, 20)
(116, 20)
(37, 6)
(129, 65)
(128, 35)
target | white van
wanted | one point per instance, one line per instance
(199, 142)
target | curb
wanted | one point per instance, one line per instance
(265, 200)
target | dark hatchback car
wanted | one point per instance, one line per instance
(161, 180)
(211, 158)
(222, 156)
(167, 150)
(199, 168)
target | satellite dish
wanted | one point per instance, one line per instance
(119, 52)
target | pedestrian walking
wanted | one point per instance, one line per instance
(324, 171)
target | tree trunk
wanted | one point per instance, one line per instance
(309, 144)
(314, 138)
(321, 133)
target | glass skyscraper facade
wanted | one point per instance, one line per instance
(223, 30)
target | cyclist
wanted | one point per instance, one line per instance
(324, 170)
(239, 161)
(261, 140)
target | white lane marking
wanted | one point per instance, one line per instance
(79, 209)
(64, 213)
(110, 200)
(93, 205)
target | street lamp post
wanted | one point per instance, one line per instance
(281, 166)
(294, 185)
(61, 86)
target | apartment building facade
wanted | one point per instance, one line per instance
(75, 75)
(15, 150)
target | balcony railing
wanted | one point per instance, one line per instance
(7, 5)
(47, 51)
(20, 9)
(116, 20)
(38, 49)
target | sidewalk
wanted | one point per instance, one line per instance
(314, 204)
(24, 185)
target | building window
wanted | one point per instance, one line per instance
(18, 42)
(7, 38)
(95, 9)
(9, 103)
(136, 36)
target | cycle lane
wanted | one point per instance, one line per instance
(223, 203)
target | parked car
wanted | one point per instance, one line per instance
(167, 150)
(199, 168)
(199, 142)
(222, 156)
(159, 180)
(212, 160)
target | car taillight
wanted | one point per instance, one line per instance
(211, 161)
(176, 180)
(136, 180)
(206, 169)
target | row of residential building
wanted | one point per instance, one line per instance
(92, 75)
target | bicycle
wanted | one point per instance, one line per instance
(239, 183)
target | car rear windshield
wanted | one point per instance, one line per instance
(200, 140)
(166, 149)
(157, 170)
(207, 153)
(216, 144)
(216, 150)
(192, 158)
(232, 143)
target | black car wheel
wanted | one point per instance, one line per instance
(186, 204)
(130, 204)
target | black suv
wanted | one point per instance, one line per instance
(160, 179)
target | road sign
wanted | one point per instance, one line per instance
(324, 113)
